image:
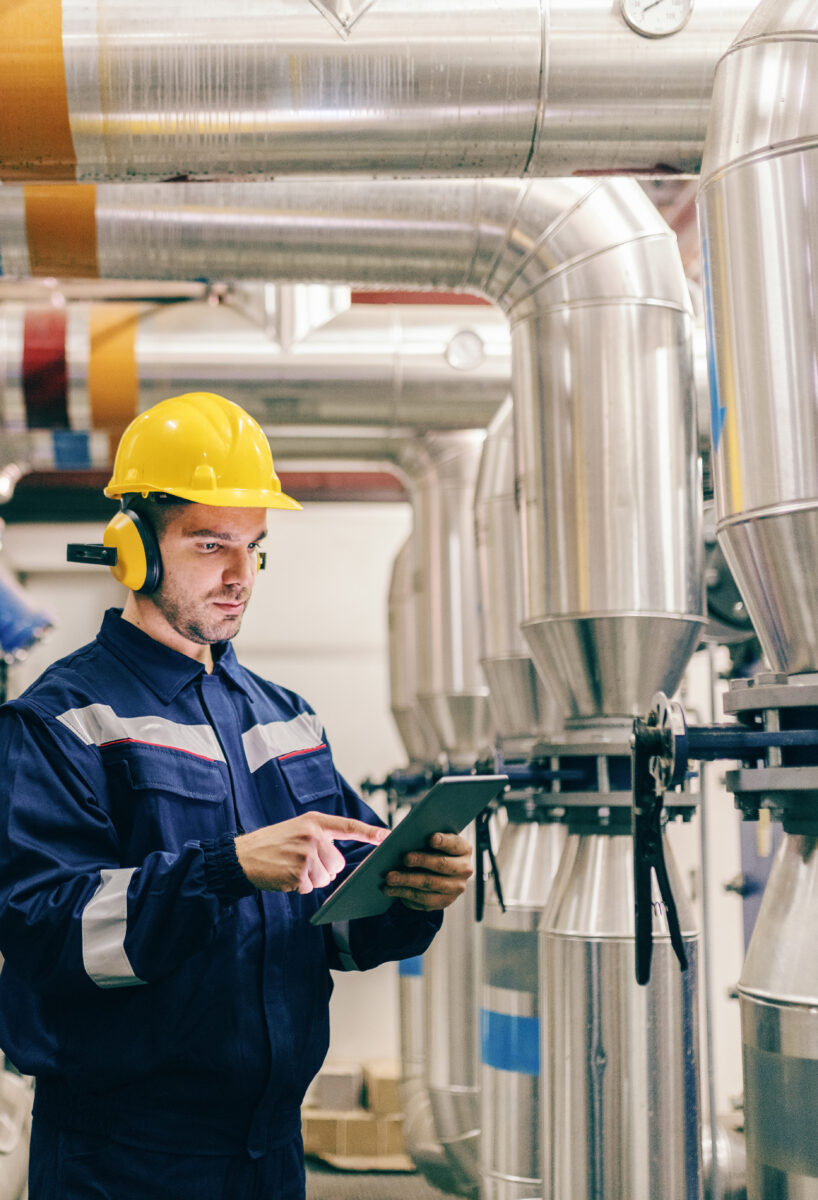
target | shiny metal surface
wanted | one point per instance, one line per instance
(608, 468)
(520, 704)
(452, 989)
(207, 90)
(419, 1135)
(418, 736)
(759, 178)
(620, 1062)
(528, 857)
(608, 477)
(778, 991)
(451, 688)
(731, 1158)
(372, 365)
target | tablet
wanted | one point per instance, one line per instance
(446, 808)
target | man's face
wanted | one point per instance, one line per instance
(209, 567)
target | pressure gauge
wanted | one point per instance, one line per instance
(657, 18)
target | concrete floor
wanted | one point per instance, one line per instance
(325, 1183)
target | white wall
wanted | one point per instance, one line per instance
(317, 623)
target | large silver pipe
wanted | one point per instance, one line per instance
(206, 90)
(760, 247)
(453, 695)
(417, 734)
(621, 1110)
(390, 366)
(521, 706)
(528, 858)
(451, 687)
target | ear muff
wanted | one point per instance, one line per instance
(138, 561)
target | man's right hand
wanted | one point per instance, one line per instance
(300, 854)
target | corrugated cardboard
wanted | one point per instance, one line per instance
(338, 1085)
(356, 1140)
(382, 1086)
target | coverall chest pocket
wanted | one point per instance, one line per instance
(163, 798)
(310, 776)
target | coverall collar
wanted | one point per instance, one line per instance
(164, 670)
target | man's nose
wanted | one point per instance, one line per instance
(240, 567)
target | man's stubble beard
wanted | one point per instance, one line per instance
(177, 612)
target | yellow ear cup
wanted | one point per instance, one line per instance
(138, 565)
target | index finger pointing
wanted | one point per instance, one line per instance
(347, 829)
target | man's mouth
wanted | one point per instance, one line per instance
(230, 607)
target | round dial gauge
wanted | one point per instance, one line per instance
(657, 18)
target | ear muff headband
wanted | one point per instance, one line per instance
(138, 561)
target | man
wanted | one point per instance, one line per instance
(168, 824)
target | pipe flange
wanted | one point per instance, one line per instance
(770, 689)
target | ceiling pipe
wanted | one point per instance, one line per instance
(208, 89)
(590, 277)
(403, 367)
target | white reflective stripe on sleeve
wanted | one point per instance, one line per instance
(104, 925)
(340, 933)
(99, 725)
(277, 738)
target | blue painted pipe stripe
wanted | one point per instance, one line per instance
(411, 966)
(72, 449)
(510, 1043)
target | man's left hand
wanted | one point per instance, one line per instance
(433, 878)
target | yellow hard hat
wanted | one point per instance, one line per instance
(200, 447)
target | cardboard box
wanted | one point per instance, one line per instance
(356, 1140)
(382, 1086)
(338, 1086)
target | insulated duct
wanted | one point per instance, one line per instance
(399, 366)
(208, 89)
(521, 706)
(419, 739)
(757, 204)
(760, 249)
(590, 277)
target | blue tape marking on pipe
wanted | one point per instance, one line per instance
(72, 449)
(411, 966)
(717, 411)
(510, 1043)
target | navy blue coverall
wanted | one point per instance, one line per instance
(172, 1014)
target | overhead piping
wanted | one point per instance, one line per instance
(206, 89)
(577, 265)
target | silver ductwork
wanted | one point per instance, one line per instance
(627, 1121)
(528, 858)
(396, 366)
(591, 280)
(760, 243)
(521, 707)
(451, 688)
(208, 90)
(417, 734)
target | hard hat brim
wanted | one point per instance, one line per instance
(218, 497)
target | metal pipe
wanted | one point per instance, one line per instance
(576, 265)
(760, 246)
(206, 89)
(397, 366)
(521, 706)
